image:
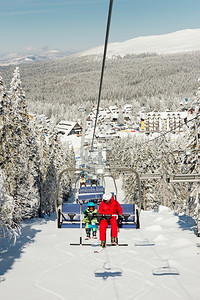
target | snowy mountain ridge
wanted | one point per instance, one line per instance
(186, 40)
(14, 59)
(176, 42)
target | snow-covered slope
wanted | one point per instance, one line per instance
(176, 42)
(162, 261)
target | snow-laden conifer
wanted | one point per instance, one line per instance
(31, 159)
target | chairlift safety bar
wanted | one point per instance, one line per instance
(183, 178)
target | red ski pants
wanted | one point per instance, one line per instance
(103, 226)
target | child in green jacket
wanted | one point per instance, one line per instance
(90, 220)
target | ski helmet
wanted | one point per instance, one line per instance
(90, 204)
(107, 197)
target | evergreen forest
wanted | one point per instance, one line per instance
(59, 87)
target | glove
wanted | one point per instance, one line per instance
(120, 217)
(119, 220)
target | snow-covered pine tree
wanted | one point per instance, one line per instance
(26, 194)
(7, 226)
(6, 202)
(191, 162)
(7, 146)
(29, 161)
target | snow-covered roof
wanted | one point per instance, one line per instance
(65, 126)
(67, 123)
(113, 107)
(165, 114)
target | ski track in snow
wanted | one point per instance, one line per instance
(146, 285)
(174, 277)
(67, 272)
(113, 285)
(49, 270)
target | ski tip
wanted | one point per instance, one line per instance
(98, 251)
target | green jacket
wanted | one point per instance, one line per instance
(87, 212)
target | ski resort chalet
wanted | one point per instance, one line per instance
(111, 114)
(68, 128)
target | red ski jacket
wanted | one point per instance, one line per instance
(111, 208)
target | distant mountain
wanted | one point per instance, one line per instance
(15, 59)
(180, 41)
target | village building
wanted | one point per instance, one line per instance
(163, 121)
(68, 128)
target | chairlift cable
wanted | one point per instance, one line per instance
(102, 70)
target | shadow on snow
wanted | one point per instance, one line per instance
(10, 251)
(107, 272)
(187, 223)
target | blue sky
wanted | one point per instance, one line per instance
(33, 26)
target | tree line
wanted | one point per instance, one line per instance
(60, 86)
(165, 154)
(31, 157)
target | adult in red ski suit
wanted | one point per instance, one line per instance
(109, 206)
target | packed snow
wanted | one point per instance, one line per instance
(162, 261)
(175, 42)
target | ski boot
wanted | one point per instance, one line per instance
(87, 234)
(114, 241)
(103, 244)
(94, 234)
